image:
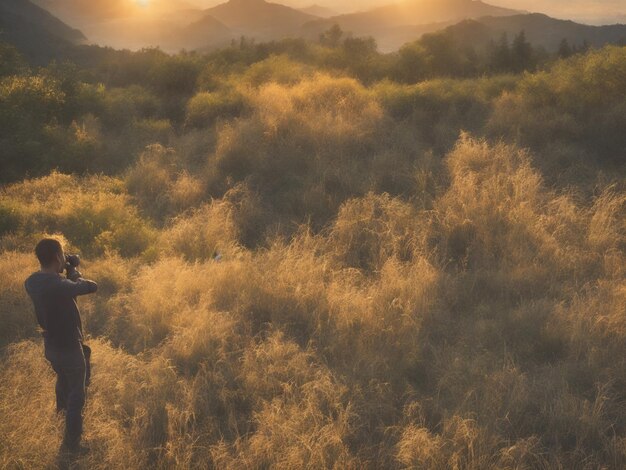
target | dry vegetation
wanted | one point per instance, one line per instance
(393, 292)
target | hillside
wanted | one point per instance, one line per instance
(35, 32)
(318, 10)
(174, 25)
(88, 12)
(201, 33)
(126, 23)
(541, 30)
(393, 20)
(259, 19)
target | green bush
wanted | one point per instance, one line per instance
(307, 148)
(10, 219)
(92, 213)
(277, 69)
(576, 104)
(205, 108)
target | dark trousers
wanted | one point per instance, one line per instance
(73, 371)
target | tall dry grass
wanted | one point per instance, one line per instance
(374, 306)
(482, 333)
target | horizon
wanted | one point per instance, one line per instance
(589, 12)
(581, 10)
(135, 24)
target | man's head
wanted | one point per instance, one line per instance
(50, 254)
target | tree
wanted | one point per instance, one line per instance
(565, 49)
(500, 55)
(443, 55)
(332, 37)
(522, 53)
(582, 49)
(359, 48)
(411, 63)
(11, 62)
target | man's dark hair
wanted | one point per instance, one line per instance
(47, 251)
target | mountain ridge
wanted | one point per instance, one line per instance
(37, 33)
(319, 10)
(259, 18)
(43, 36)
(414, 12)
(543, 30)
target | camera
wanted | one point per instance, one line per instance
(71, 267)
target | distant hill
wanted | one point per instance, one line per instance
(41, 36)
(80, 10)
(126, 23)
(318, 10)
(87, 12)
(38, 34)
(200, 33)
(260, 19)
(398, 20)
(540, 30)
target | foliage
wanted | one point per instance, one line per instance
(576, 108)
(308, 257)
(94, 214)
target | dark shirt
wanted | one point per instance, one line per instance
(54, 298)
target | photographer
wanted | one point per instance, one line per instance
(54, 299)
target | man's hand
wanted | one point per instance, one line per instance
(73, 274)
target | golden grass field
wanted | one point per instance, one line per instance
(426, 276)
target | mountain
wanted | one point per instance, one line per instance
(204, 32)
(319, 11)
(80, 11)
(413, 12)
(88, 12)
(126, 23)
(540, 30)
(260, 19)
(393, 25)
(39, 35)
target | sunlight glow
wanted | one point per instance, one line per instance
(142, 3)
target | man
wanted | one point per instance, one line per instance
(54, 298)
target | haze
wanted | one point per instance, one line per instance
(176, 24)
(598, 11)
(595, 12)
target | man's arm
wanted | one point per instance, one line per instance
(79, 287)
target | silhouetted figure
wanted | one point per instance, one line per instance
(54, 298)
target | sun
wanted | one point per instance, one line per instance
(142, 3)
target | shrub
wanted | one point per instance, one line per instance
(205, 108)
(12, 61)
(514, 220)
(370, 231)
(92, 213)
(440, 109)
(10, 219)
(160, 187)
(277, 69)
(577, 101)
(307, 148)
(202, 234)
(123, 105)
(16, 313)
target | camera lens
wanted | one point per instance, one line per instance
(73, 260)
